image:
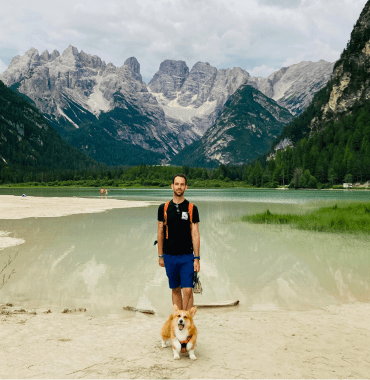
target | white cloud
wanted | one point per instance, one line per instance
(3, 66)
(262, 71)
(254, 34)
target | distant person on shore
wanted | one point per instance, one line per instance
(101, 192)
(179, 243)
(106, 192)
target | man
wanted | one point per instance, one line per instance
(179, 243)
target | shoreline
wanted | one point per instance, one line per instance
(357, 188)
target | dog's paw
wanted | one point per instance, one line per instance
(192, 355)
(164, 343)
(176, 356)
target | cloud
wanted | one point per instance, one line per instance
(3, 66)
(254, 34)
(313, 50)
(282, 3)
(262, 71)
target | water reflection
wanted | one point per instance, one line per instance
(107, 260)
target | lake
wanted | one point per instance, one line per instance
(105, 261)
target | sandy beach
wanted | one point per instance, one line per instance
(329, 342)
(16, 207)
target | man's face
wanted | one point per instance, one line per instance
(179, 186)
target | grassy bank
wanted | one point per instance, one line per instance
(353, 218)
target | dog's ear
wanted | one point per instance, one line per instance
(193, 310)
(175, 308)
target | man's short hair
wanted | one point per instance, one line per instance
(180, 175)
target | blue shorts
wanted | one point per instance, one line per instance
(180, 270)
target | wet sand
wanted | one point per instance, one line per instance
(329, 342)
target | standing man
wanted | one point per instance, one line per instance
(179, 243)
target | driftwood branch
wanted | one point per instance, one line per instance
(220, 304)
(130, 308)
(215, 304)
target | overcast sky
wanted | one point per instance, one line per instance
(261, 36)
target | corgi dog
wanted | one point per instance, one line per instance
(180, 328)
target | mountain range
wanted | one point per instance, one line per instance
(249, 122)
(109, 113)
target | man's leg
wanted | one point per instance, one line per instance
(177, 297)
(188, 298)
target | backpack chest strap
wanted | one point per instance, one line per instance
(190, 212)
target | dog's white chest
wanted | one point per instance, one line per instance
(181, 335)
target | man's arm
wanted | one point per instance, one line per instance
(160, 237)
(196, 244)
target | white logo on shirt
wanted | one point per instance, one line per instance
(184, 215)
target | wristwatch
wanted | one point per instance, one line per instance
(197, 257)
(160, 256)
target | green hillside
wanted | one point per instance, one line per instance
(28, 143)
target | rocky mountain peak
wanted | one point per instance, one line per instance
(133, 64)
(170, 78)
(174, 68)
(293, 87)
(199, 83)
(203, 67)
(45, 56)
(71, 50)
(21, 66)
(31, 52)
(110, 69)
(54, 54)
(91, 61)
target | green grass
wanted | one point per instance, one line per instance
(354, 218)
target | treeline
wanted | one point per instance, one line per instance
(142, 175)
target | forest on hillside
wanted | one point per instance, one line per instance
(28, 143)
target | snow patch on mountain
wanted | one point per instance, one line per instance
(61, 113)
(96, 101)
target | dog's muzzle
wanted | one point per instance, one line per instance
(181, 324)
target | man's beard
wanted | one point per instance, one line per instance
(179, 192)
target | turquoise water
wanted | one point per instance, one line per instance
(235, 195)
(107, 260)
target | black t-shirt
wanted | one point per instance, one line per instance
(179, 240)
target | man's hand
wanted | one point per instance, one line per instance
(161, 262)
(196, 265)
